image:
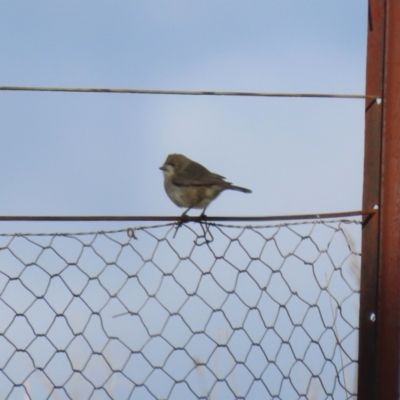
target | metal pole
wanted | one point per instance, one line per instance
(379, 346)
(389, 282)
(367, 356)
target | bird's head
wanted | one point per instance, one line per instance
(174, 163)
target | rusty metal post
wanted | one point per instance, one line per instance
(367, 354)
(389, 246)
(379, 347)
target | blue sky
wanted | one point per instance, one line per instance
(94, 154)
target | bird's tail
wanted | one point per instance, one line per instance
(240, 189)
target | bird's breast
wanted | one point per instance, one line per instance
(191, 196)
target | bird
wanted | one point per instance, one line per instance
(190, 185)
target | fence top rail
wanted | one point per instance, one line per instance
(60, 218)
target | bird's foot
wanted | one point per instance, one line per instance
(183, 218)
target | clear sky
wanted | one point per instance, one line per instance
(94, 154)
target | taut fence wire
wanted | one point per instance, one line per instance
(218, 312)
(186, 92)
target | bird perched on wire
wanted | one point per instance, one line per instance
(190, 185)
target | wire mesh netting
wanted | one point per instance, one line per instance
(218, 312)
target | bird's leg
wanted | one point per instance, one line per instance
(185, 212)
(184, 217)
(203, 215)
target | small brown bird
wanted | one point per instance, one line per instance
(188, 184)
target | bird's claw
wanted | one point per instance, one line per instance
(183, 218)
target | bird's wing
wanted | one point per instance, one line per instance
(197, 175)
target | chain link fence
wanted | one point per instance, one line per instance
(208, 311)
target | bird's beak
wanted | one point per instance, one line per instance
(163, 168)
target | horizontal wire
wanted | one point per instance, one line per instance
(185, 92)
(185, 219)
